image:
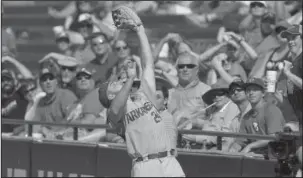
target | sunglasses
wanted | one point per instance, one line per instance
(236, 90)
(6, 79)
(46, 77)
(80, 77)
(188, 66)
(72, 69)
(30, 89)
(121, 48)
(220, 93)
(63, 39)
(256, 4)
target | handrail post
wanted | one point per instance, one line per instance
(219, 143)
(30, 130)
(75, 135)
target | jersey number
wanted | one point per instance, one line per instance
(157, 117)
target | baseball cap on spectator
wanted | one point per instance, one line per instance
(216, 90)
(86, 71)
(97, 34)
(84, 19)
(254, 3)
(256, 82)
(7, 73)
(238, 83)
(47, 70)
(62, 37)
(68, 61)
(162, 82)
(292, 30)
(281, 26)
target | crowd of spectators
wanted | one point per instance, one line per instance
(231, 96)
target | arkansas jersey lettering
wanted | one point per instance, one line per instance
(142, 111)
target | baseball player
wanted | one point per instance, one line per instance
(133, 102)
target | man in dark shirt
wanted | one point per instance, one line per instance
(105, 59)
(13, 104)
(264, 118)
(293, 69)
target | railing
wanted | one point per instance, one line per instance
(75, 127)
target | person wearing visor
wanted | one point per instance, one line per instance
(293, 68)
(54, 106)
(264, 118)
(219, 116)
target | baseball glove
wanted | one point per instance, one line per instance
(125, 18)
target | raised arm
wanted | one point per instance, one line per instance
(248, 49)
(147, 62)
(24, 71)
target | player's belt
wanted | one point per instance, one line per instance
(156, 155)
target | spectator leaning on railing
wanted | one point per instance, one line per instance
(238, 96)
(87, 109)
(53, 107)
(264, 118)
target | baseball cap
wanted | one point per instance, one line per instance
(255, 81)
(292, 30)
(282, 25)
(62, 36)
(47, 70)
(162, 82)
(262, 2)
(68, 61)
(234, 84)
(7, 73)
(86, 70)
(97, 34)
(84, 17)
(216, 89)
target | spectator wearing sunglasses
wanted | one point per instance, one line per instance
(68, 67)
(250, 26)
(264, 118)
(87, 109)
(238, 96)
(54, 106)
(104, 61)
(186, 97)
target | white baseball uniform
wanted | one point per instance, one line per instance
(146, 134)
